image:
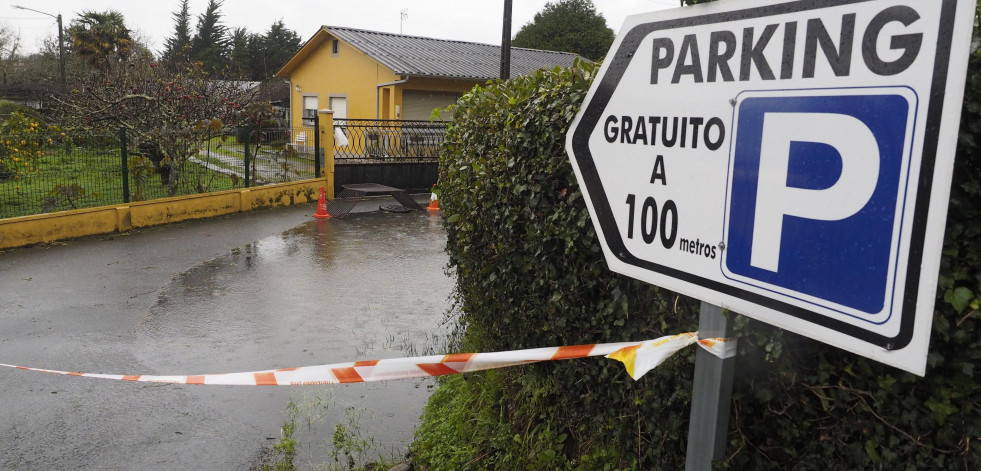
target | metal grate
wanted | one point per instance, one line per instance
(345, 201)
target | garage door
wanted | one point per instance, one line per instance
(419, 105)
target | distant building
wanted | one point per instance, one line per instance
(363, 74)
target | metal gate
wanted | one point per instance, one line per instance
(397, 153)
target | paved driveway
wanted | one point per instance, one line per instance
(260, 290)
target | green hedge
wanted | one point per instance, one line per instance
(531, 273)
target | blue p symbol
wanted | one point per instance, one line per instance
(814, 195)
(775, 198)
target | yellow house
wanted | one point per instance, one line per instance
(363, 74)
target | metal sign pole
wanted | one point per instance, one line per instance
(711, 394)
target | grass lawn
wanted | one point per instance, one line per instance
(92, 177)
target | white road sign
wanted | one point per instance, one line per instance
(790, 161)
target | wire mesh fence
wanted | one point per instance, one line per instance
(95, 171)
(104, 170)
(65, 179)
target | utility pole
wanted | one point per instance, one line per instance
(506, 42)
(61, 51)
(61, 40)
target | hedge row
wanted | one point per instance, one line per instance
(531, 273)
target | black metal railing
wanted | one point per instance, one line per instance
(388, 140)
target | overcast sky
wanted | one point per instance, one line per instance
(465, 20)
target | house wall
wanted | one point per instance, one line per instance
(350, 74)
(355, 76)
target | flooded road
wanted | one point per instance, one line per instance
(207, 298)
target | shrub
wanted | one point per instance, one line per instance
(23, 141)
(8, 108)
(531, 273)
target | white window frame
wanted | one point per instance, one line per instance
(333, 96)
(306, 119)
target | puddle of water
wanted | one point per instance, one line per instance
(370, 286)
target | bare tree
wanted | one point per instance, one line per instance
(9, 44)
(170, 114)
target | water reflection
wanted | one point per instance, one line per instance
(370, 286)
(325, 241)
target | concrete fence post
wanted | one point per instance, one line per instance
(124, 167)
(316, 146)
(326, 133)
(248, 160)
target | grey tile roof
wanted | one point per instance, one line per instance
(429, 57)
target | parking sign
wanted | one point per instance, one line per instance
(790, 161)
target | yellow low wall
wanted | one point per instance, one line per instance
(27, 230)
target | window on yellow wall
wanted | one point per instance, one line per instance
(309, 110)
(335, 47)
(339, 105)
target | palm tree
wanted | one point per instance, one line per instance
(100, 38)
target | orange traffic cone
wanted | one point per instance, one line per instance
(322, 206)
(433, 201)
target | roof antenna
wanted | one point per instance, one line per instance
(405, 16)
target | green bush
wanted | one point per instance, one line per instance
(531, 273)
(8, 108)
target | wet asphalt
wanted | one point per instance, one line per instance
(253, 291)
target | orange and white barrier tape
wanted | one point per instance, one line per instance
(639, 358)
(722, 348)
